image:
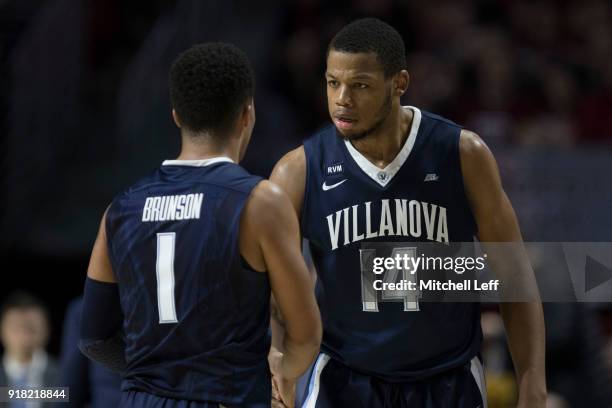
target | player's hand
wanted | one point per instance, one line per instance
(286, 391)
(283, 389)
(277, 404)
(276, 399)
(532, 396)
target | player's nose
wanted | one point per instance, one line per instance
(344, 96)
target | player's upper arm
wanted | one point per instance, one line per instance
(290, 174)
(270, 213)
(490, 205)
(100, 267)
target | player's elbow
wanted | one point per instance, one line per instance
(315, 334)
(275, 313)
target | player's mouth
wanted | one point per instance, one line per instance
(344, 122)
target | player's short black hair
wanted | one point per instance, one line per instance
(373, 35)
(22, 300)
(209, 84)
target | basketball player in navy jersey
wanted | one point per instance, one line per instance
(383, 172)
(185, 260)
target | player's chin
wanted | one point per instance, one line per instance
(346, 134)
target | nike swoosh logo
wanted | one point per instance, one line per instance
(327, 188)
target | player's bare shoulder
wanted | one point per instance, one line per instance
(475, 155)
(480, 175)
(470, 143)
(267, 206)
(292, 164)
(290, 174)
(266, 199)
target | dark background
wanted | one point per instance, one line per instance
(84, 108)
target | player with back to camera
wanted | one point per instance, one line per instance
(383, 172)
(179, 280)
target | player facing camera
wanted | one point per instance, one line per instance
(383, 172)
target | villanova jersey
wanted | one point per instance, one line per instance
(195, 315)
(350, 205)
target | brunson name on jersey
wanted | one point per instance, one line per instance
(173, 207)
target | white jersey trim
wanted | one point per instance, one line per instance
(384, 176)
(478, 372)
(197, 163)
(315, 381)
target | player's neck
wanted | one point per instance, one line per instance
(382, 146)
(201, 148)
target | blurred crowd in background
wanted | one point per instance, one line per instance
(84, 112)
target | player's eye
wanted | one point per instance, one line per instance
(332, 83)
(360, 85)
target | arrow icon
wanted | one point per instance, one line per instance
(591, 275)
(595, 273)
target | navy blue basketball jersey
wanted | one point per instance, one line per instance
(196, 316)
(350, 203)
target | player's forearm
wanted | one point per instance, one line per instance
(298, 352)
(277, 326)
(101, 337)
(524, 322)
(297, 356)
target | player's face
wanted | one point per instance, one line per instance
(359, 97)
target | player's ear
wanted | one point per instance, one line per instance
(248, 113)
(400, 82)
(177, 121)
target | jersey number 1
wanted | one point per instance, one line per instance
(165, 277)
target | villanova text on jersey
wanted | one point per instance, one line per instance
(196, 316)
(403, 220)
(350, 203)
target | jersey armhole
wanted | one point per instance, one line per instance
(108, 219)
(247, 266)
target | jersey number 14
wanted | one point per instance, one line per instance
(370, 296)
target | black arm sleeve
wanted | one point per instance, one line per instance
(109, 352)
(101, 321)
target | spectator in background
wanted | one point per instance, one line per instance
(90, 383)
(24, 333)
